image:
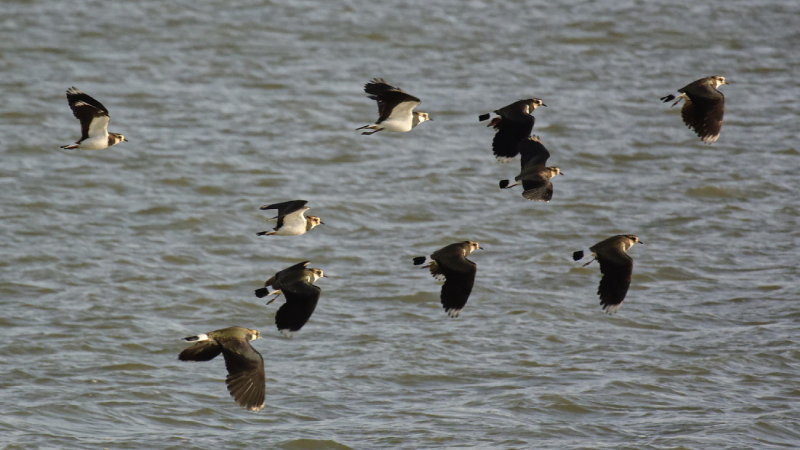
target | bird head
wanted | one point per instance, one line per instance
(717, 81)
(312, 221)
(421, 116)
(532, 104)
(630, 239)
(315, 274)
(253, 335)
(471, 246)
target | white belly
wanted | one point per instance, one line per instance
(293, 224)
(95, 143)
(398, 125)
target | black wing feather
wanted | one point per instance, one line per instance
(510, 131)
(245, 380)
(301, 300)
(538, 189)
(387, 96)
(285, 208)
(459, 280)
(616, 270)
(85, 109)
(201, 351)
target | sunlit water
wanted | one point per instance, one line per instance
(109, 258)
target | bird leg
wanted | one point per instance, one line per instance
(590, 261)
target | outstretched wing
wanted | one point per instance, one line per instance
(301, 300)
(459, 279)
(390, 99)
(703, 114)
(511, 130)
(616, 267)
(245, 380)
(459, 273)
(532, 153)
(201, 351)
(537, 188)
(91, 113)
(285, 208)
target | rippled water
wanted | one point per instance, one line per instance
(109, 258)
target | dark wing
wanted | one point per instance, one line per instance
(285, 208)
(245, 380)
(301, 300)
(290, 274)
(533, 157)
(537, 188)
(510, 131)
(91, 113)
(515, 109)
(389, 97)
(459, 279)
(459, 273)
(616, 267)
(201, 351)
(532, 153)
(703, 111)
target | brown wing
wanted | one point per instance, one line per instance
(704, 116)
(533, 157)
(537, 188)
(201, 351)
(616, 267)
(533, 154)
(703, 110)
(246, 381)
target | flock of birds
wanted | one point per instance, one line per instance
(702, 111)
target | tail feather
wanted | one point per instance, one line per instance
(504, 184)
(265, 233)
(667, 98)
(577, 256)
(483, 117)
(262, 292)
(419, 260)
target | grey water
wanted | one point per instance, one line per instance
(109, 258)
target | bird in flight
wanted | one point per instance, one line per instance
(451, 264)
(94, 122)
(245, 380)
(395, 108)
(616, 267)
(703, 106)
(534, 176)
